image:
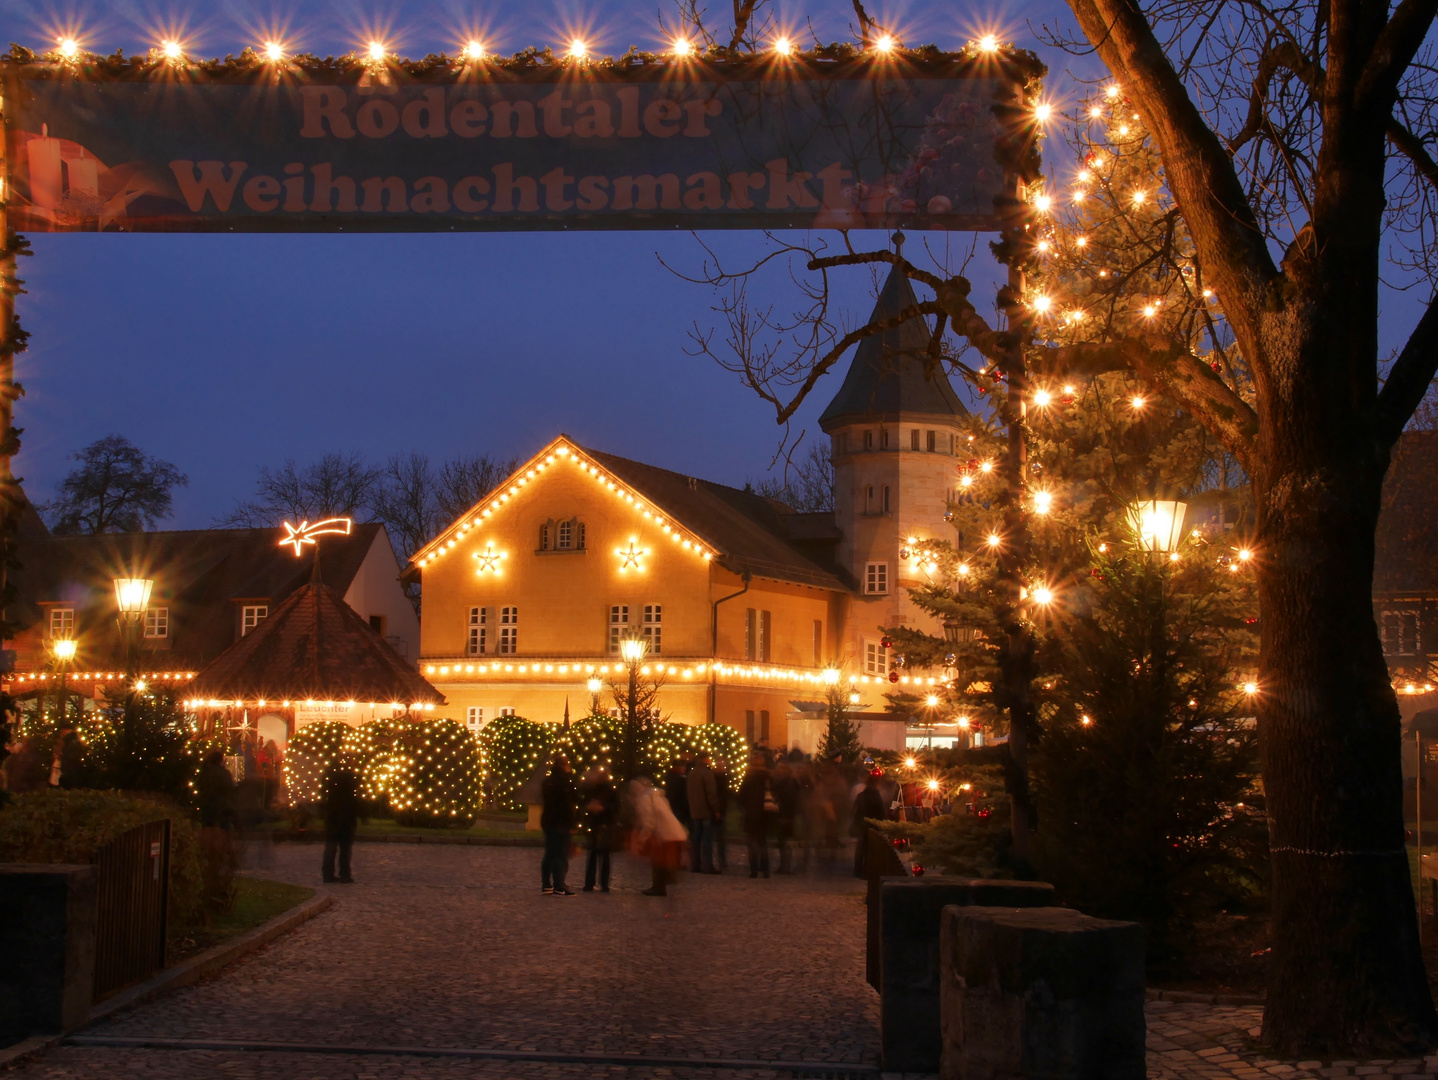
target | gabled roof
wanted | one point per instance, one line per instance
(744, 531)
(1406, 552)
(313, 646)
(199, 575)
(886, 376)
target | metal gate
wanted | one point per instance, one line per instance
(132, 878)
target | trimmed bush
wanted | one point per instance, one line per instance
(514, 748)
(722, 743)
(312, 750)
(68, 826)
(433, 773)
(594, 741)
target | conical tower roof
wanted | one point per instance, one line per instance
(886, 376)
(316, 647)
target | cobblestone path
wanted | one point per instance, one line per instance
(444, 948)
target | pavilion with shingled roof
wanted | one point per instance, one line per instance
(314, 658)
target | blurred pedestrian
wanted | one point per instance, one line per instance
(702, 796)
(787, 795)
(756, 803)
(721, 823)
(658, 835)
(676, 790)
(341, 809)
(601, 811)
(868, 806)
(215, 787)
(558, 798)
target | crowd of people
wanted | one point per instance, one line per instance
(792, 811)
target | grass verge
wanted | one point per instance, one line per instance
(256, 902)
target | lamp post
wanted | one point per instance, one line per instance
(594, 686)
(632, 650)
(132, 598)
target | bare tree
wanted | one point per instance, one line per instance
(807, 485)
(416, 501)
(337, 485)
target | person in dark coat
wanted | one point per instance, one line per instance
(869, 805)
(341, 809)
(756, 803)
(558, 799)
(703, 798)
(601, 811)
(721, 823)
(787, 794)
(216, 789)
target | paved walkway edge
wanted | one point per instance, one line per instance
(182, 974)
(141, 1042)
(1193, 997)
(387, 838)
(211, 960)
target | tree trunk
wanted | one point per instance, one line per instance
(1347, 976)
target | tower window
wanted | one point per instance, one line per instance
(886, 499)
(914, 439)
(931, 440)
(868, 440)
(869, 499)
(883, 438)
(876, 578)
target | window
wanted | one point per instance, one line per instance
(477, 644)
(544, 537)
(883, 438)
(62, 622)
(841, 444)
(885, 509)
(251, 615)
(376, 623)
(931, 441)
(876, 659)
(876, 578)
(914, 439)
(508, 711)
(566, 535)
(766, 649)
(953, 444)
(474, 718)
(751, 634)
(749, 726)
(1400, 633)
(869, 499)
(508, 631)
(653, 619)
(868, 440)
(763, 725)
(157, 622)
(818, 642)
(579, 536)
(618, 626)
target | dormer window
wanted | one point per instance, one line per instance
(566, 535)
(544, 533)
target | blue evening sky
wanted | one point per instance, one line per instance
(225, 353)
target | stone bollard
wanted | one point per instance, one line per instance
(47, 939)
(1041, 992)
(910, 912)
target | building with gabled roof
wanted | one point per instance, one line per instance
(743, 601)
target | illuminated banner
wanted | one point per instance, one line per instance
(556, 148)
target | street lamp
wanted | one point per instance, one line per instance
(632, 650)
(63, 649)
(1158, 524)
(594, 687)
(132, 597)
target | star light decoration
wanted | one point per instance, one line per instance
(630, 557)
(489, 560)
(304, 534)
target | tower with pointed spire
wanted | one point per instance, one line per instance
(895, 436)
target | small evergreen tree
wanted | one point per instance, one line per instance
(513, 747)
(1145, 775)
(142, 744)
(841, 733)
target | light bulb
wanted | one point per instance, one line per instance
(69, 48)
(377, 51)
(274, 52)
(994, 540)
(1040, 303)
(1043, 112)
(1043, 595)
(683, 47)
(988, 43)
(884, 43)
(1137, 402)
(783, 46)
(1042, 398)
(1111, 92)
(172, 50)
(474, 50)
(1042, 204)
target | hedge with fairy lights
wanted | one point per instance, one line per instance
(594, 742)
(432, 776)
(722, 743)
(514, 748)
(313, 749)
